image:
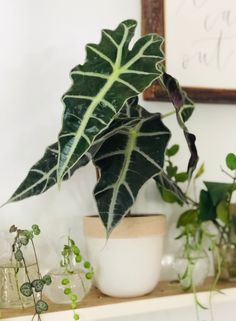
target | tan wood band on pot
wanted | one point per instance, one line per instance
(130, 227)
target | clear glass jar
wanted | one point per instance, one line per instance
(227, 256)
(79, 285)
(11, 278)
(192, 271)
(12, 275)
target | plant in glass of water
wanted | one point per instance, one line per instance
(32, 287)
(193, 232)
(192, 263)
(74, 278)
(215, 205)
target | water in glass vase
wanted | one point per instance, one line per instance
(11, 279)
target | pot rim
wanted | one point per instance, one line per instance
(134, 226)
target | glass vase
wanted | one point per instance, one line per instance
(192, 270)
(225, 262)
(13, 275)
(78, 284)
(11, 278)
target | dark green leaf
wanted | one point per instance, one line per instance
(26, 289)
(218, 191)
(231, 161)
(126, 161)
(47, 279)
(43, 174)
(41, 306)
(181, 177)
(111, 74)
(189, 217)
(206, 207)
(171, 170)
(173, 150)
(37, 285)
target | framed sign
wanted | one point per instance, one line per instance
(200, 46)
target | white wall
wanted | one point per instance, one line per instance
(40, 42)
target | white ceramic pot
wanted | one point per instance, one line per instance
(128, 264)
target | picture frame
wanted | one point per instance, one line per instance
(195, 30)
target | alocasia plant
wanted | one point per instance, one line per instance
(103, 122)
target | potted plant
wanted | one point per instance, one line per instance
(103, 122)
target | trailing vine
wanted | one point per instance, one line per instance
(31, 288)
(72, 261)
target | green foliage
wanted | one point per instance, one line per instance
(71, 254)
(222, 212)
(24, 238)
(188, 218)
(200, 171)
(218, 191)
(103, 122)
(173, 150)
(169, 196)
(207, 210)
(26, 289)
(172, 192)
(181, 177)
(231, 161)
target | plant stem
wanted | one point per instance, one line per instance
(18, 288)
(168, 114)
(28, 278)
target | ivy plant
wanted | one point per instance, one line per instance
(104, 122)
(215, 201)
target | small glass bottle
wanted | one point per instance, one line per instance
(192, 270)
(79, 284)
(225, 261)
(13, 275)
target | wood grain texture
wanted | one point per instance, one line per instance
(153, 21)
(96, 298)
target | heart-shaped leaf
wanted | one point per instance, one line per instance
(181, 177)
(231, 161)
(189, 217)
(26, 289)
(169, 190)
(37, 285)
(41, 306)
(111, 74)
(218, 191)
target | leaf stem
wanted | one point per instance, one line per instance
(168, 114)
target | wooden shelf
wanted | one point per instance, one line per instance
(96, 299)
